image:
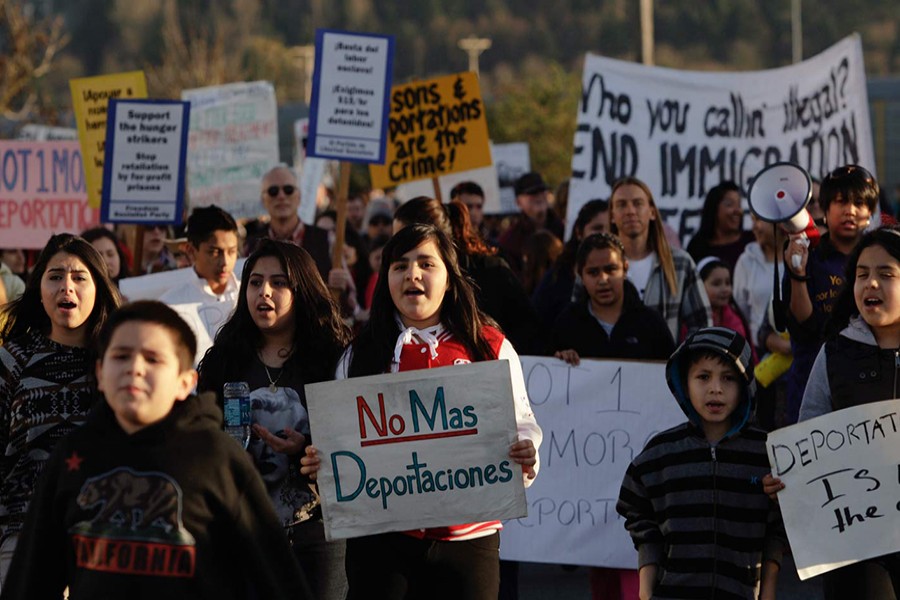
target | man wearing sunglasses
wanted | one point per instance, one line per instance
(280, 196)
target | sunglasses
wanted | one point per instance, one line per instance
(287, 189)
(850, 170)
(380, 221)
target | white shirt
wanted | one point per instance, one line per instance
(639, 272)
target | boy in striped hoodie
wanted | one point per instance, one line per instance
(693, 500)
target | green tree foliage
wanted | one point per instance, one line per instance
(28, 47)
(539, 108)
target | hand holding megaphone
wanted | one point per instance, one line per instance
(798, 251)
(779, 195)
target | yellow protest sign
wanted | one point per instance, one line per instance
(90, 95)
(436, 127)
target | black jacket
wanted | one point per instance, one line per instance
(501, 296)
(175, 510)
(640, 333)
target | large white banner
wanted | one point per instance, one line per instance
(232, 142)
(424, 448)
(841, 499)
(596, 418)
(682, 132)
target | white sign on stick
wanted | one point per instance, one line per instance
(683, 132)
(233, 142)
(416, 449)
(143, 174)
(840, 497)
(596, 418)
(349, 105)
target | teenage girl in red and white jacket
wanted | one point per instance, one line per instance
(424, 315)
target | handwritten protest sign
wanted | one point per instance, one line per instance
(424, 448)
(840, 497)
(682, 132)
(596, 418)
(90, 96)
(233, 141)
(349, 104)
(143, 178)
(437, 126)
(42, 192)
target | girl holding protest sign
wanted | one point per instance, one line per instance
(424, 315)
(286, 331)
(46, 368)
(857, 365)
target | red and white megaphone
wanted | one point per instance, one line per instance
(779, 194)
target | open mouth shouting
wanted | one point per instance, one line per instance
(715, 406)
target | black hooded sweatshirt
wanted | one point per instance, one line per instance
(175, 510)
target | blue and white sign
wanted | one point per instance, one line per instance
(349, 107)
(146, 149)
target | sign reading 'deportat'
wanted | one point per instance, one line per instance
(349, 104)
(841, 500)
(143, 178)
(424, 448)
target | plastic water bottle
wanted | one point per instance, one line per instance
(237, 411)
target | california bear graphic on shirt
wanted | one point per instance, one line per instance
(136, 527)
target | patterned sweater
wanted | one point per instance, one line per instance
(45, 392)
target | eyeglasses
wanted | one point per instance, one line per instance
(380, 221)
(288, 190)
(849, 170)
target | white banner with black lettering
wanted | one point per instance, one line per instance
(596, 418)
(840, 497)
(682, 132)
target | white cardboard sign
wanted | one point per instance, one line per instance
(416, 449)
(596, 418)
(840, 472)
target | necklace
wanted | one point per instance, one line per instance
(273, 383)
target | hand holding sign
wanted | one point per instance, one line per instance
(840, 494)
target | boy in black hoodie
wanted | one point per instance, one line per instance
(150, 499)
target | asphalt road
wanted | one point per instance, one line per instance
(550, 582)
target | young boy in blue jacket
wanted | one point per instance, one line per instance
(693, 500)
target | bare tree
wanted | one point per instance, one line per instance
(27, 51)
(197, 56)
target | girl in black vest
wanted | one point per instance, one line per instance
(858, 365)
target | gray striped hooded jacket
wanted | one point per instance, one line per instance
(695, 509)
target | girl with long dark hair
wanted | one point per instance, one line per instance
(47, 383)
(285, 332)
(424, 315)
